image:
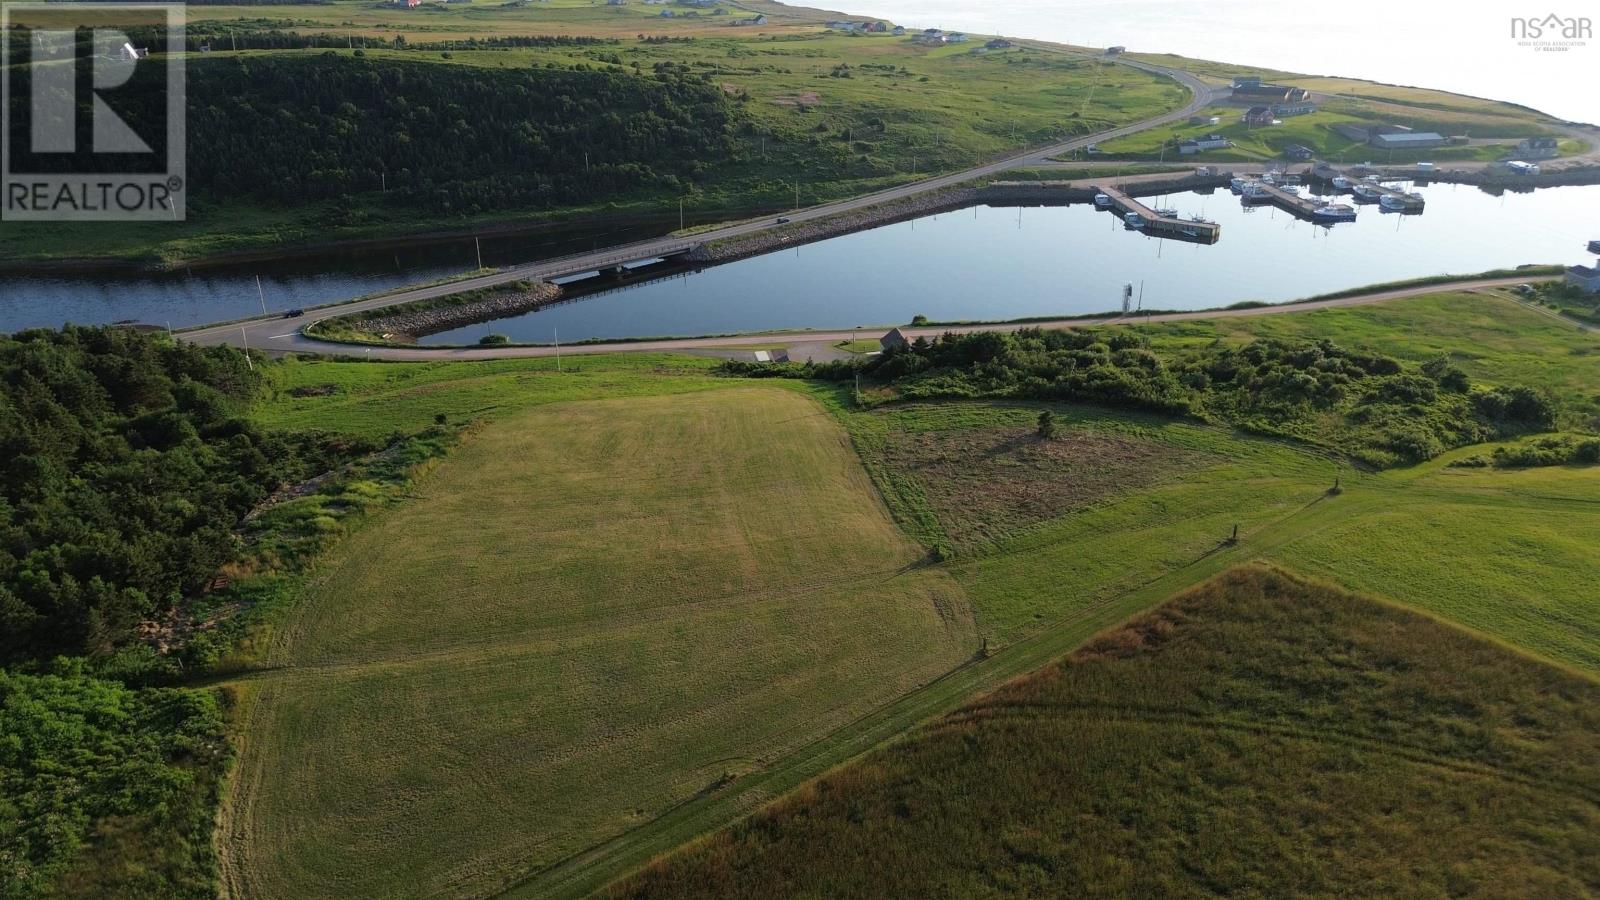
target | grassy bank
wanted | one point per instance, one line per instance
(1257, 734)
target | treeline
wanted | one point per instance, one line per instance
(129, 465)
(425, 137)
(1369, 405)
(447, 139)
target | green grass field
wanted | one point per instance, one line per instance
(427, 668)
(1259, 735)
(594, 612)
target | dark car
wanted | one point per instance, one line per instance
(783, 220)
(294, 313)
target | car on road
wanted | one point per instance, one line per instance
(783, 220)
(294, 313)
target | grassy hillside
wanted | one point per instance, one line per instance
(1048, 542)
(594, 612)
(1260, 735)
(834, 115)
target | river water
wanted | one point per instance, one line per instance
(991, 263)
(225, 292)
(984, 263)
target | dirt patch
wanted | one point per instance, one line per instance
(802, 100)
(984, 484)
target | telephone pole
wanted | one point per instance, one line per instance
(478, 245)
(261, 294)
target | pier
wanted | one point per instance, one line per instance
(1162, 226)
(1284, 200)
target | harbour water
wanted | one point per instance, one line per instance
(991, 263)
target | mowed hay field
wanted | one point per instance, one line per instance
(1259, 736)
(592, 612)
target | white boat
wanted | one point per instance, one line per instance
(1167, 212)
(1256, 192)
(1334, 212)
(1367, 192)
(1417, 201)
(1134, 220)
(1342, 183)
(1102, 200)
(1237, 183)
(1289, 189)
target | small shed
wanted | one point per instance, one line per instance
(894, 340)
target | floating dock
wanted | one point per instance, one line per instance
(1157, 225)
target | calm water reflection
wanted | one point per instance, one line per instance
(1003, 263)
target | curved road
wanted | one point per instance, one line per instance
(791, 338)
(280, 335)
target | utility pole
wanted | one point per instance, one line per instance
(797, 196)
(246, 338)
(680, 213)
(261, 294)
(557, 332)
(478, 245)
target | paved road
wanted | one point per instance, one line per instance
(280, 335)
(802, 339)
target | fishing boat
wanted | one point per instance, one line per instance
(1290, 189)
(1367, 193)
(1167, 212)
(1342, 183)
(1102, 200)
(1391, 202)
(1255, 193)
(1334, 212)
(1415, 200)
(1237, 183)
(1134, 220)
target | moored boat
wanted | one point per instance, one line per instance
(1367, 192)
(1102, 200)
(1334, 212)
(1342, 183)
(1134, 220)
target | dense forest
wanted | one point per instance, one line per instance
(1368, 405)
(441, 139)
(128, 468)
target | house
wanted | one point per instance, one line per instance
(408, 4)
(1116, 51)
(899, 31)
(1200, 145)
(1259, 115)
(1585, 278)
(894, 340)
(957, 37)
(1301, 108)
(1298, 153)
(1538, 148)
(758, 20)
(934, 38)
(875, 27)
(1251, 89)
(999, 44)
(1415, 140)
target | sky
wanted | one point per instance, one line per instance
(1466, 46)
